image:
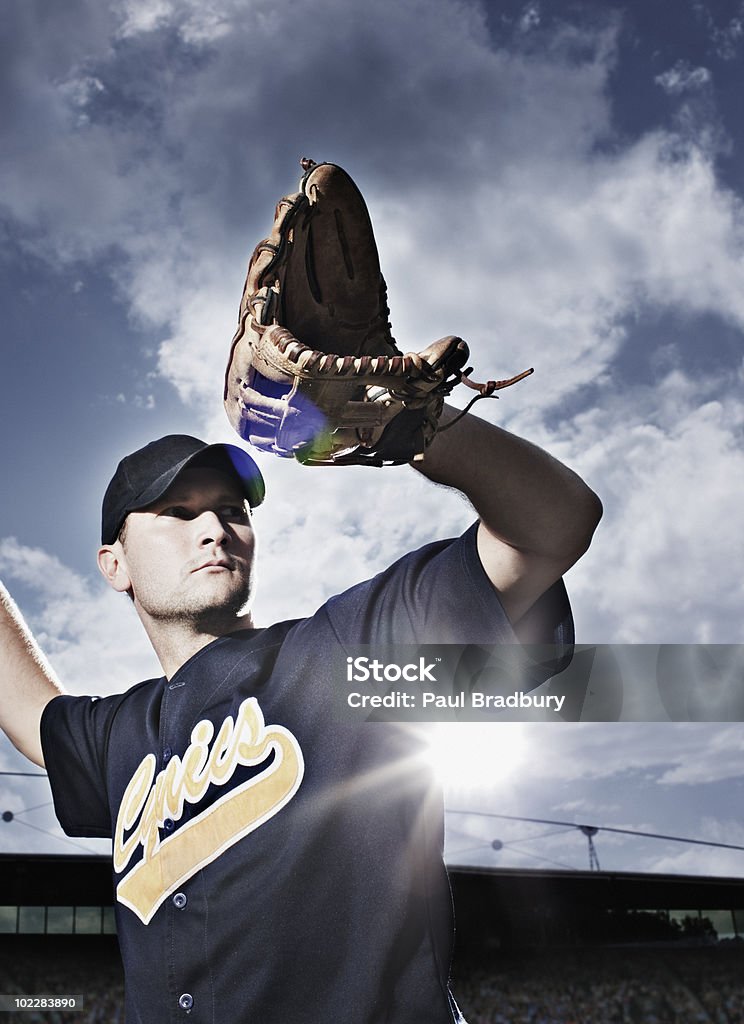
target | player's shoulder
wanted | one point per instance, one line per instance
(447, 559)
(101, 707)
(421, 556)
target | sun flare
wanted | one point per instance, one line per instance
(469, 757)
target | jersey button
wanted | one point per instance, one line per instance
(186, 1001)
(167, 754)
(180, 900)
(169, 824)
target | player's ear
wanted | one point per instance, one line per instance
(113, 566)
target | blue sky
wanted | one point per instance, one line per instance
(560, 183)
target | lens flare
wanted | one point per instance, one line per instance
(472, 757)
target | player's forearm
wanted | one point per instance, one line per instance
(522, 494)
(27, 682)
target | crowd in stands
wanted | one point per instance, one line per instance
(589, 985)
(605, 986)
(47, 966)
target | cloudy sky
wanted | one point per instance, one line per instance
(558, 182)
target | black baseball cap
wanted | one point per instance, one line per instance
(146, 474)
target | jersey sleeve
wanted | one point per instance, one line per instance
(74, 739)
(441, 594)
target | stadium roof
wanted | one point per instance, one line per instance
(60, 880)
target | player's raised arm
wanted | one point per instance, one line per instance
(315, 373)
(27, 682)
(537, 516)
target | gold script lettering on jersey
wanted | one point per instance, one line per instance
(149, 800)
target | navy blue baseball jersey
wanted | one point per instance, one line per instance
(272, 863)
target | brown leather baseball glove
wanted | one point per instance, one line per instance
(314, 371)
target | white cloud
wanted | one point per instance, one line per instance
(557, 242)
(80, 90)
(91, 635)
(666, 461)
(683, 78)
(728, 38)
(567, 251)
(198, 22)
(668, 756)
(376, 516)
(720, 756)
(138, 16)
(530, 18)
(173, 266)
(703, 860)
(725, 38)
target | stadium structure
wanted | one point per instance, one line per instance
(533, 946)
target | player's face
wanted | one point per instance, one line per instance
(189, 556)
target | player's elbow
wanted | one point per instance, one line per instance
(24, 730)
(585, 518)
(27, 743)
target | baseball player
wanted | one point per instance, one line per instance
(272, 864)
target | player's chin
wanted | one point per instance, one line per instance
(227, 590)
